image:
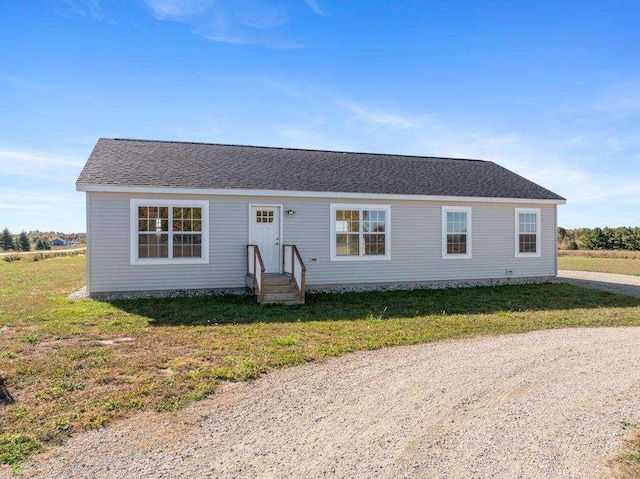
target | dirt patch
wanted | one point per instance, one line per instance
(114, 341)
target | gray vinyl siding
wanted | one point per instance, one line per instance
(416, 244)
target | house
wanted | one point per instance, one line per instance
(165, 215)
(58, 242)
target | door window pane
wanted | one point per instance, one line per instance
(264, 216)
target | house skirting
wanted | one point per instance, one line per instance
(440, 284)
(319, 288)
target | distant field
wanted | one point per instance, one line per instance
(602, 264)
(62, 248)
(81, 247)
(600, 254)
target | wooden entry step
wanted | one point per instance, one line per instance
(276, 288)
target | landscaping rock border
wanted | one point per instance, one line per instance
(176, 293)
(472, 283)
(345, 288)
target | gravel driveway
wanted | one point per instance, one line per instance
(614, 283)
(548, 404)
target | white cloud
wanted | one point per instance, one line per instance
(51, 207)
(256, 22)
(622, 98)
(40, 165)
(44, 89)
(313, 5)
(377, 118)
(22, 197)
(229, 21)
(544, 163)
(8, 157)
(178, 8)
(306, 137)
(19, 206)
(86, 8)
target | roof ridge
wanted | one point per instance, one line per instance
(399, 155)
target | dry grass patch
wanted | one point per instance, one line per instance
(77, 365)
(627, 464)
(600, 264)
(40, 255)
(600, 254)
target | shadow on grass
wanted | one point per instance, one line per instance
(214, 310)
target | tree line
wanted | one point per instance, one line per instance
(20, 242)
(34, 240)
(621, 238)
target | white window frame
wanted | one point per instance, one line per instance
(361, 256)
(537, 212)
(457, 209)
(133, 231)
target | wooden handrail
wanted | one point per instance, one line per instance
(257, 258)
(256, 253)
(303, 269)
(295, 250)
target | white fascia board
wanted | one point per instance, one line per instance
(304, 194)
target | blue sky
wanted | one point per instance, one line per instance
(550, 89)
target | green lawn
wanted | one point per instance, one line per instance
(602, 265)
(72, 366)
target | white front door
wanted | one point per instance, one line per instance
(264, 231)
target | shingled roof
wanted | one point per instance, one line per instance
(169, 164)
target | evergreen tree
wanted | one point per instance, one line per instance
(595, 239)
(42, 245)
(23, 241)
(623, 238)
(6, 240)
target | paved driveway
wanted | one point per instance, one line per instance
(614, 283)
(548, 404)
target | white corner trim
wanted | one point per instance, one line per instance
(133, 232)
(305, 194)
(457, 209)
(359, 206)
(555, 236)
(538, 252)
(87, 240)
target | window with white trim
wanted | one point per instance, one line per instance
(527, 232)
(360, 232)
(164, 231)
(456, 232)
